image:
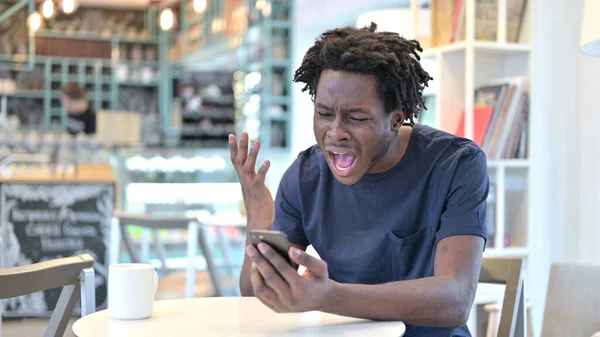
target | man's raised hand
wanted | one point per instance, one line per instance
(257, 197)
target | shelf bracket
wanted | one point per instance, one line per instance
(12, 10)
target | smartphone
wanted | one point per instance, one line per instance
(276, 239)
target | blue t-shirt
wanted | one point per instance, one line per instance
(386, 227)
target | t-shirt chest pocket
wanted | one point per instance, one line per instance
(411, 256)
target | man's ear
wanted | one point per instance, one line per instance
(397, 119)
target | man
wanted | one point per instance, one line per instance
(395, 210)
(82, 118)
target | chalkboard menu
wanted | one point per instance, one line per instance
(42, 222)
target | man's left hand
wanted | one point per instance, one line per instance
(279, 286)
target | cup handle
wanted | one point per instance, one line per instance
(155, 282)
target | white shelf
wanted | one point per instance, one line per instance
(502, 48)
(487, 47)
(458, 70)
(509, 163)
(506, 252)
(448, 48)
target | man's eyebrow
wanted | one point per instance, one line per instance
(325, 107)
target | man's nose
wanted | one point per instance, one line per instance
(337, 131)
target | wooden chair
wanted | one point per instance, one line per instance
(493, 310)
(572, 301)
(154, 210)
(74, 274)
(510, 272)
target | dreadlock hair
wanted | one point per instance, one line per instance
(390, 57)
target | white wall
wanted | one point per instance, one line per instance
(589, 160)
(565, 145)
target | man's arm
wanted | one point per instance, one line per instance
(258, 201)
(288, 219)
(444, 299)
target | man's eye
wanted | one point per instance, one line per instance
(324, 114)
(358, 119)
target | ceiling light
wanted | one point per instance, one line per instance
(69, 6)
(34, 21)
(266, 10)
(167, 19)
(48, 9)
(199, 5)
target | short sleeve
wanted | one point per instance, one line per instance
(466, 206)
(288, 215)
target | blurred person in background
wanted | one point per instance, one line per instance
(82, 117)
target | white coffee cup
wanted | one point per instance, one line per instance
(131, 290)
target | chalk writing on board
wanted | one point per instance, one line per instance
(47, 221)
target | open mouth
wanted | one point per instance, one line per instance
(342, 163)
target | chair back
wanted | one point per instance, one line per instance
(73, 274)
(195, 237)
(573, 301)
(152, 222)
(510, 272)
(156, 208)
(124, 219)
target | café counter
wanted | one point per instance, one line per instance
(46, 214)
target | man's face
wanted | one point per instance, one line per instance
(351, 125)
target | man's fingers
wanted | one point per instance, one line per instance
(266, 295)
(251, 160)
(315, 266)
(289, 274)
(242, 153)
(270, 276)
(233, 150)
(259, 179)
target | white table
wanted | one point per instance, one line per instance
(231, 316)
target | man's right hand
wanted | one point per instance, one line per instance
(257, 197)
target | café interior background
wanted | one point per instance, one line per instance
(169, 80)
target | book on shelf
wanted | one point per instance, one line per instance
(448, 20)
(500, 118)
(442, 12)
